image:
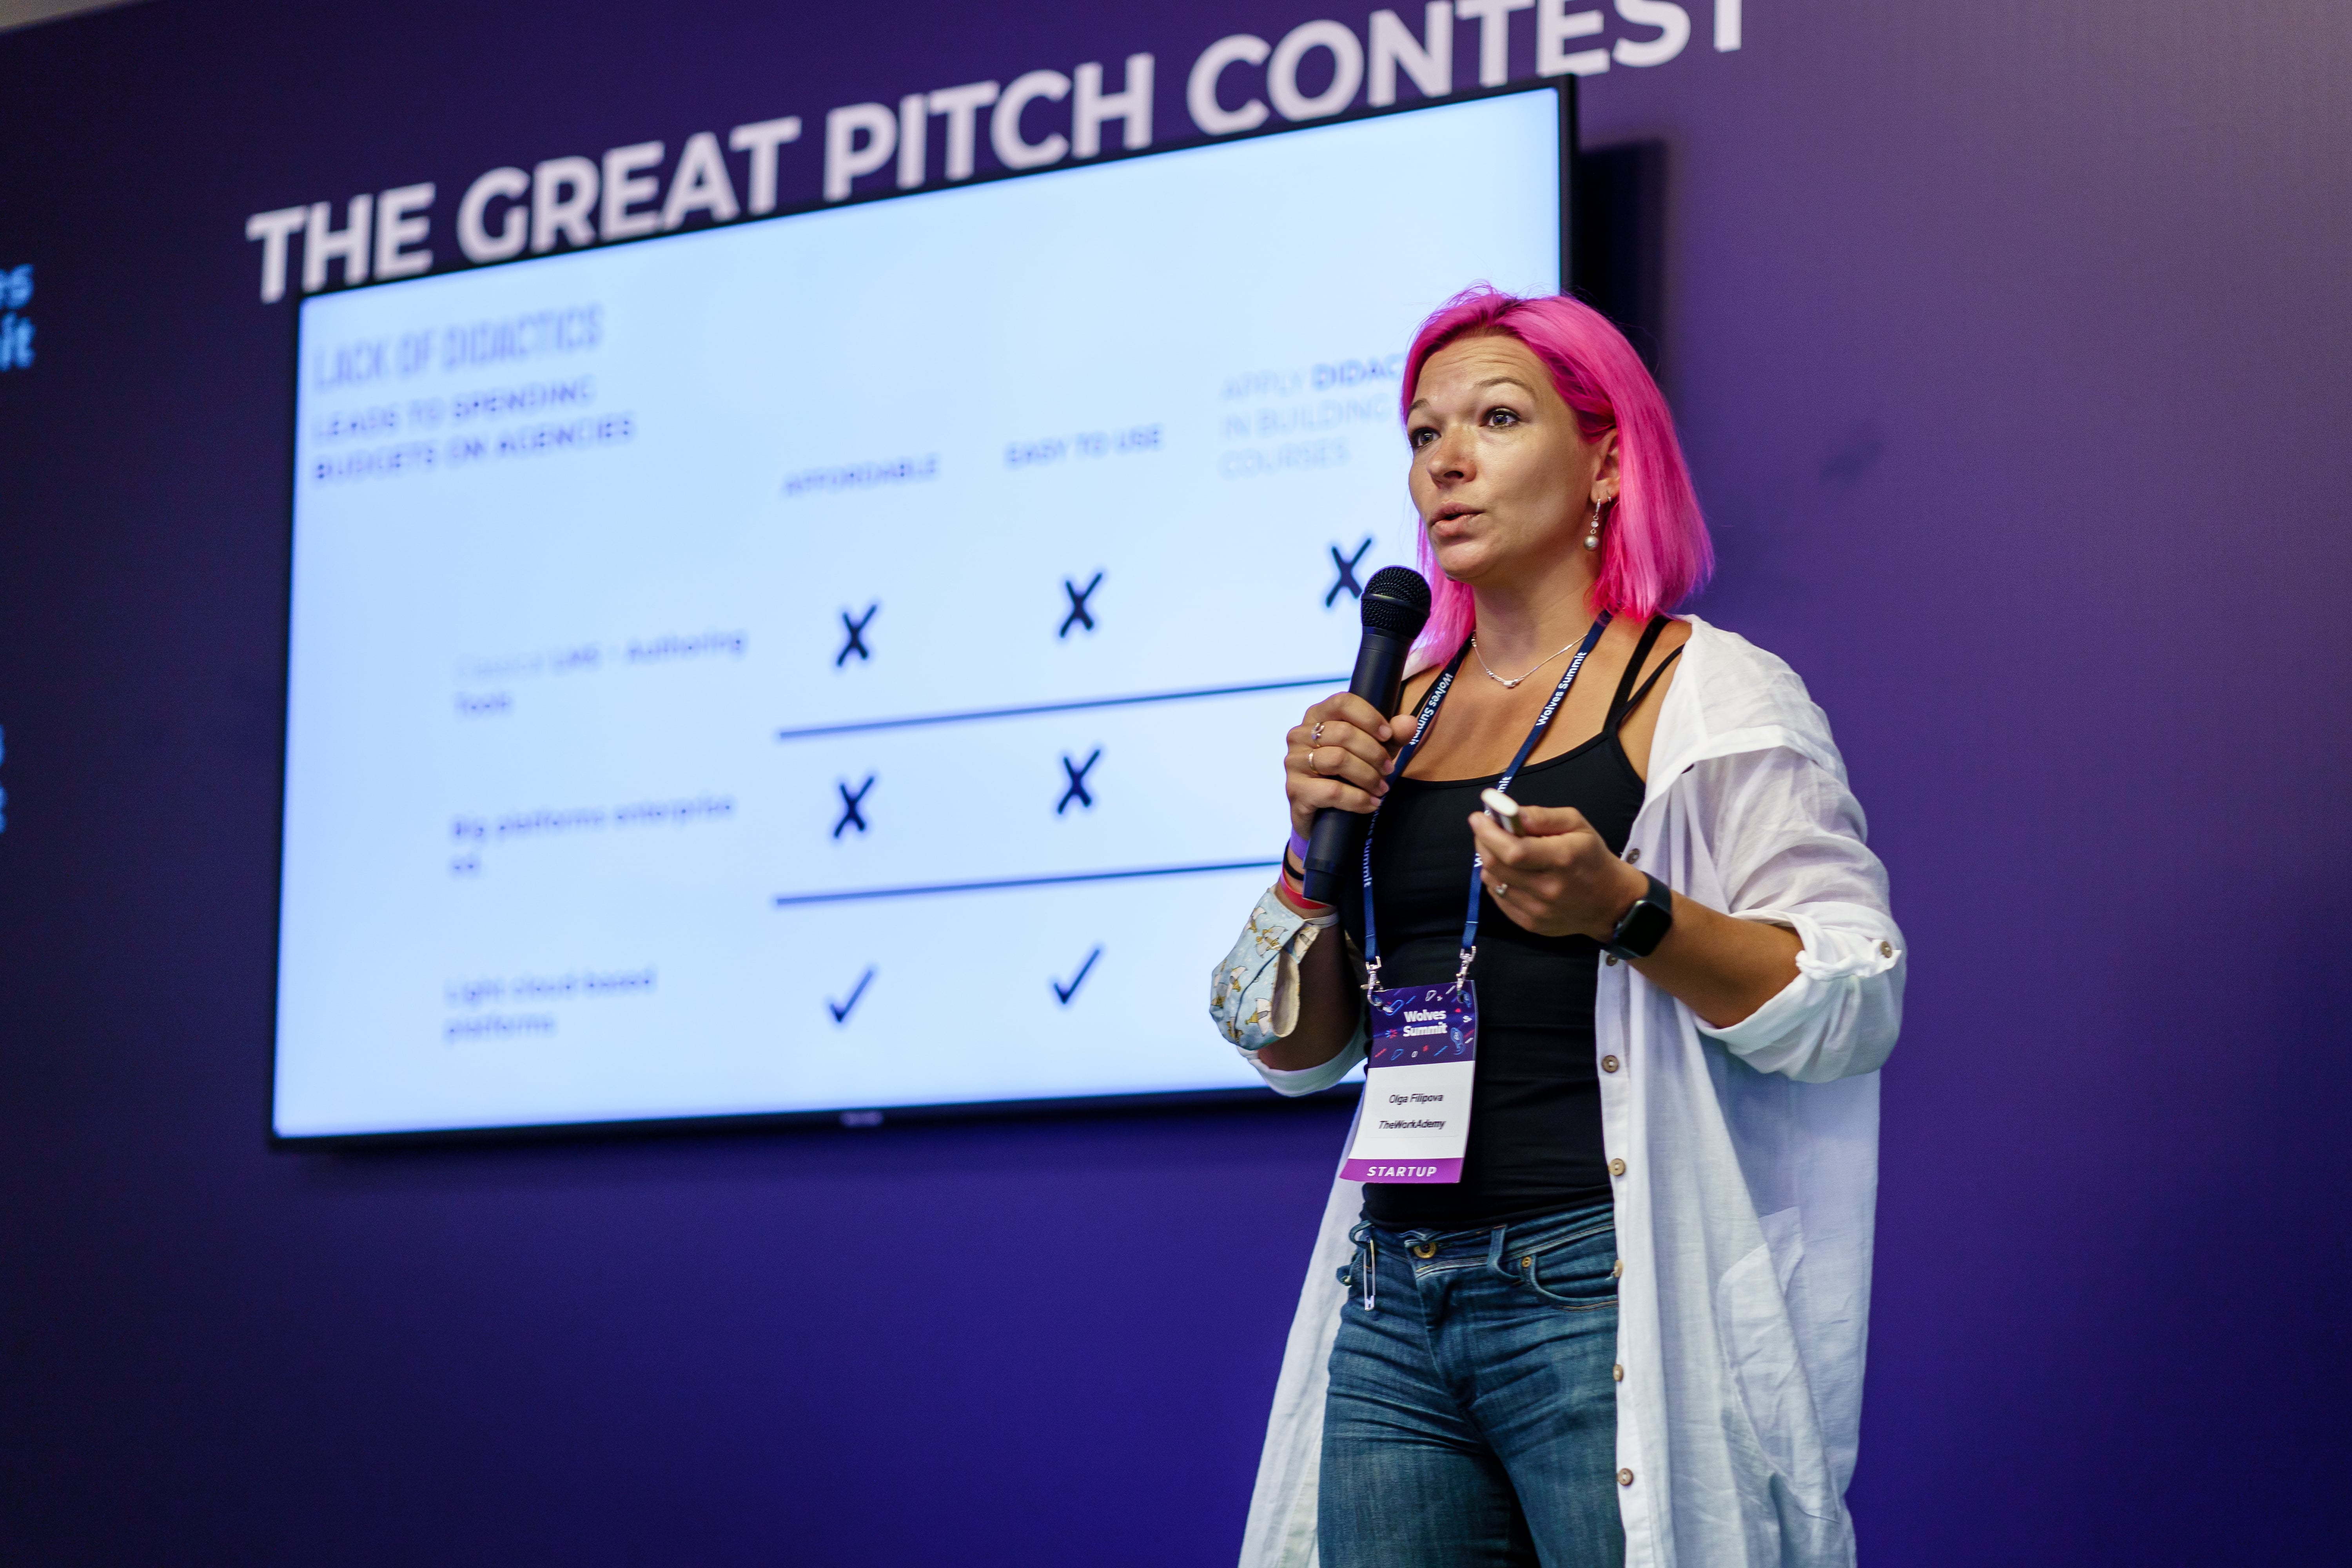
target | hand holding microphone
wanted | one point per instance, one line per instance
(1338, 761)
(1336, 768)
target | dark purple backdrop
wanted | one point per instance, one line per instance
(2009, 342)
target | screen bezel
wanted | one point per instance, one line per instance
(1565, 90)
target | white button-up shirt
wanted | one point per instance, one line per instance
(1750, 1154)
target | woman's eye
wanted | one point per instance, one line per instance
(1422, 437)
(1501, 417)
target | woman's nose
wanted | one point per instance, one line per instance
(1449, 458)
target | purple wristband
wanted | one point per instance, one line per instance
(1299, 844)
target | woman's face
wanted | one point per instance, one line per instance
(1504, 479)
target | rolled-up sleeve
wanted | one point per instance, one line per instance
(1254, 996)
(1787, 838)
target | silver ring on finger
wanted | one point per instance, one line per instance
(1502, 891)
(1315, 736)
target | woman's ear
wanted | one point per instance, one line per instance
(1606, 484)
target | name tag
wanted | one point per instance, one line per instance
(1417, 1078)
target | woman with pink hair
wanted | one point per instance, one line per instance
(1625, 1321)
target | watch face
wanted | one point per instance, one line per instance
(1647, 925)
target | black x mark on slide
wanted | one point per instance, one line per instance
(840, 1010)
(1078, 615)
(1346, 565)
(850, 801)
(1063, 992)
(1077, 774)
(854, 631)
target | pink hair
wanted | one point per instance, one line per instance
(1655, 551)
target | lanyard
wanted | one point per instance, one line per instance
(1419, 731)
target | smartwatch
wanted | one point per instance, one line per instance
(1645, 924)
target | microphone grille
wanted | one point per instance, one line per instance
(1396, 601)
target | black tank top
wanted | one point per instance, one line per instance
(1535, 1104)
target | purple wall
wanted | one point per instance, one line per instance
(2011, 345)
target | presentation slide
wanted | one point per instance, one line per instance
(840, 662)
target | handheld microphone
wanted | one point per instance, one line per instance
(1395, 608)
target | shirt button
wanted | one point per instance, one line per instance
(1632, 856)
(1886, 949)
(1618, 1371)
(1625, 1478)
(1616, 1167)
(1610, 959)
(1608, 1064)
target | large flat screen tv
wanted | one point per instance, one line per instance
(836, 665)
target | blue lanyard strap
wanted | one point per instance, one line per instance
(1422, 723)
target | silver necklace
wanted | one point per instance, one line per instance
(1509, 685)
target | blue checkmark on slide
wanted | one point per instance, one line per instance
(840, 1010)
(1063, 992)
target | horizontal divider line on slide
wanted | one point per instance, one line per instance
(864, 725)
(785, 900)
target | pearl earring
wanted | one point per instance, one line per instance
(1592, 539)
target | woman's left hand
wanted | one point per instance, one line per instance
(1556, 878)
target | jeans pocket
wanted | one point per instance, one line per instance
(1581, 1275)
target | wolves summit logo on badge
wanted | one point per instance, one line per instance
(1408, 1034)
(15, 330)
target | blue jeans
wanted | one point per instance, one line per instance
(1473, 1412)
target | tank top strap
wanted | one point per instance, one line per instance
(1624, 700)
(1664, 665)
